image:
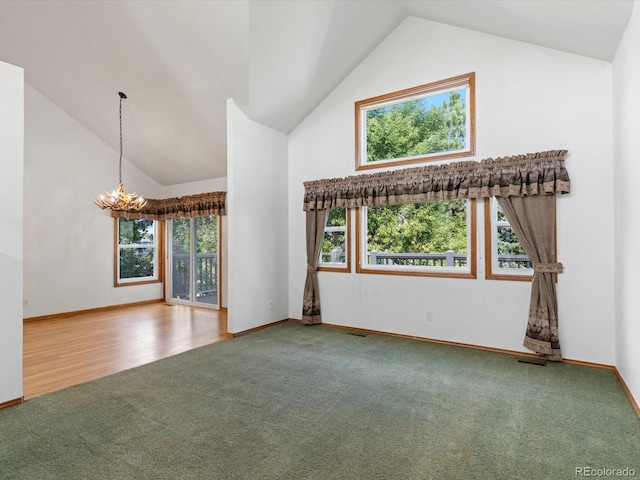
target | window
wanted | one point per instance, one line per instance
(505, 257)
(336, 241)
(425, 123)
(431, 239)
(137, 252)
(193, 273)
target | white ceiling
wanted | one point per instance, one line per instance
(178, 61)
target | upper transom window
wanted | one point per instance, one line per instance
(425, 123)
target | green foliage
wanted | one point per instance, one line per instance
(135, 231)
(455, 119)
(418, 228)
(337, 217)
(413, 128)
(508, 243)
(181, 235)
(136, 262)
(206, 234)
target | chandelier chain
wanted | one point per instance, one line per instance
(120, 164)
(119, 200)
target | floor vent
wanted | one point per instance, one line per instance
(533, 361)
(357, 334)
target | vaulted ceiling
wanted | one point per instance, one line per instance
(179, 61)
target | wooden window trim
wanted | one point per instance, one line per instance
(471, 274)
(467, 79)
(488, 249)
(160, 230)
(347, 266)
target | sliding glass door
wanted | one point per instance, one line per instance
(193, 265)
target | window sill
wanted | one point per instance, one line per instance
(417, 273)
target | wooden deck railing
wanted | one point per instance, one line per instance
(447, 259)
(206, 280)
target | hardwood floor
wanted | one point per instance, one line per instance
(74, 349)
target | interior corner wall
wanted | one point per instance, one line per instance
(68, 241)
(257, 222)
(11, 219)
(528, 99)
(626, 75)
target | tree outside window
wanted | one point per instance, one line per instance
(137, 251)
(420, 238)
(424, 123)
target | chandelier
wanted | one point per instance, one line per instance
(119, 200)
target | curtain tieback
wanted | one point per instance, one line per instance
(547, 267)
(311, 268)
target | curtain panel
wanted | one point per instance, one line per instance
(541, 173)
(533, 219)
(199, 205)
(316, 220)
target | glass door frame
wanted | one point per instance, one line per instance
(193, 257)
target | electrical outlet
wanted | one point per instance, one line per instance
(269, 305)
(429, 316)
(25, 303)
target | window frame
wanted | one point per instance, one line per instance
(443, 272)
(339, 267)
(158, 256)
(492, 271)
(168, 272)
(442, 86)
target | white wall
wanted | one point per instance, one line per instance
(626, 75)
(257, 222)
(68, 241)
(202, 186)
(528, 99)
(11, 219)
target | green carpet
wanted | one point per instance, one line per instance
(296, 402)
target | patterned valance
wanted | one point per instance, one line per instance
(541, 173)
(202, 204)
